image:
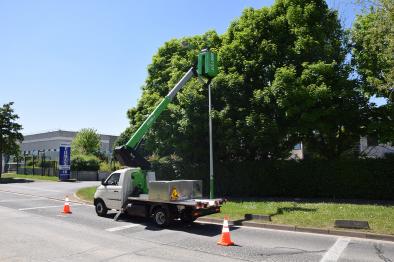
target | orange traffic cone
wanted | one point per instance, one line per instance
(225, 239)
(66, 207)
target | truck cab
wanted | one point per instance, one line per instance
(119, 185)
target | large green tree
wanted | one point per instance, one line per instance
(10, 134)
(306, 38)
(283, 79)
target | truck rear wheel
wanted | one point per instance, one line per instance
(161, 217)
(101, 209)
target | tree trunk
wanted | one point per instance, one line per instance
(1, 156)
(1, 163)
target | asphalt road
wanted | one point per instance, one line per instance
(34, 229)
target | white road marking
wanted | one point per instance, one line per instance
(113, 229)
(44, 197)
(30, 208)
(21, 199)
(43, 207)
(336, 250)
(33, 188)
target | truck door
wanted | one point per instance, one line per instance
(113, 191)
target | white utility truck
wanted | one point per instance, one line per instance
(166, 200)
(135, 191)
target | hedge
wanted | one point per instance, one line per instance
(84, 163)
(343, 179)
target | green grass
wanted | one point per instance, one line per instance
(11, 176)
(87, 193)
(319, 215)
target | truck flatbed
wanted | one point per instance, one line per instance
(186, 202)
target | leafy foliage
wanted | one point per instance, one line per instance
(9, 132)
(322, 106)
(179, 128)
(373, 49)
(86, 142)
(283, 79)
(373, 37)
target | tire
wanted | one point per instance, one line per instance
(187, 217)
(161, 217)
(101, 209)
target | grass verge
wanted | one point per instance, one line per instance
(8, 177)
(86, 193)
(318, 215)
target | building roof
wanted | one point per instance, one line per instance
(60, 134)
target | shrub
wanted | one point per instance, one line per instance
(84, 163)
(105, 167)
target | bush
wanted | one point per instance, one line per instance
(46, 163)
(84, 163)
(358, 178)
(105, 167)
(110, 167)
(38, 162)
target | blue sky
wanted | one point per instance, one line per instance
(75, 64)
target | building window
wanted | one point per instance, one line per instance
(297, 147)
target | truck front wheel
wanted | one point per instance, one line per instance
(101, 209)
(161, 217)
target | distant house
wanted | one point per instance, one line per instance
(298, 152)
(48, 143)
(370, 148)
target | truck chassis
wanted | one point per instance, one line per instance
(164, 212)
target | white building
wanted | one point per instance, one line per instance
(48, 143)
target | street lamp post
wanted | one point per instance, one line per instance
(211, 180)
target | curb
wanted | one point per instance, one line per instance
(332, 232)
(77, 199)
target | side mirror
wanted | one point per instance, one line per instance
(103, 182)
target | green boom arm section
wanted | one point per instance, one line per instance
(127, 154)
(137, 136)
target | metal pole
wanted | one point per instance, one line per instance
(211, 191)
(17, 164)
(43, 162)
(24, 166)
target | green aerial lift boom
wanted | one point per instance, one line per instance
(127, 154)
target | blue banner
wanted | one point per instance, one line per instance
(64, 162)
